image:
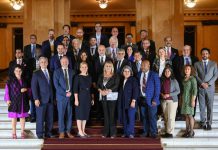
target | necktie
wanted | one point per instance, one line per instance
(113, 53)
(187, 61)
(66, 80)
(144, 83)
(60, 57)
(46, 75)
(33, 50)
(101, 60)
(118, 66)
(92, 51)
(98, 41)
(138, 66)
(205, 67)
(168, 52)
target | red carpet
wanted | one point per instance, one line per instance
(97, 143)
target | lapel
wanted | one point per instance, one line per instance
(126, 84)
(43, 76)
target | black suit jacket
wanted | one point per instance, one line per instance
(178, 66)
(59, 39)
(174, 53)
(149, 56)
(88, 50)
(46, 48)
(99, 66)
(27, 51)
(112, 84)
(152, 45)
(124, 63)
(104, 40)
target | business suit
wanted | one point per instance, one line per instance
(60, 38)
(126, 114)
(91, 54)
(64, 103)
(28, 51)
(149, 112)
(103, 39)
(109, 53)
(122, 64)
(42, 90)
(206, 96)
(152, 45)
(148, 55)
(134, 47)
(136, 69)
(109, 106)
(46, 49)
(55, 63)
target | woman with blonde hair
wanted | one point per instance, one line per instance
(83, 98)
(107, 86)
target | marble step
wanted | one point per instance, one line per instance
(15, 144)
(189, 143)
(7, 126)
(6, 134)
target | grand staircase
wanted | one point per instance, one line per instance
(205, 140)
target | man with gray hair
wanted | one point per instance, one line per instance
(42, 91)
(120, 62)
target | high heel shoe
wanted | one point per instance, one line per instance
(14, 136)
(23, 135)
(81, 136)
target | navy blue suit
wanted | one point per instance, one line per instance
(126, 113)
(55, 63)
(149, 112)
(27, 51)
(46, 49)
(64, 103)
(59, 39)
(42, 91)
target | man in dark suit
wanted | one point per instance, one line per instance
(55, 60)
(144, 36)
(121, 62)
(136, 65)
(29, 50)
(82, 42)
(66, 29)
(129, 38)
(115, 34)
(112, 50)
(74, 51)
(49, 47)
(170, 51)
(147, 52)
(149, 99)
(63, 80)
(101, 38)
(42, 94)
(178, 65)
(92, 48)
(18, 60)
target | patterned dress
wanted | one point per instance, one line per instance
(190, 89)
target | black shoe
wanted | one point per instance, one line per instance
(191, 135)
(144, 135)
(167, 135)
(49, 136)
(186, 134)
(204, 127)
(154, 136)
(209, 127)
(81, 136)
(40, 137)
(33, 120)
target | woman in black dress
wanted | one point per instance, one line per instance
(83, 98)
(107, 85)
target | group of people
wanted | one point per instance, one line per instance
(119, 79)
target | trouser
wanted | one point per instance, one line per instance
(32, 108)
(44, 114)
(149, 119)
(64, 115)
(169, 110)
(109, 109)
(206, 98)
(129, 121)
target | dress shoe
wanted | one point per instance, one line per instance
(88, 136)
(167, 135)
(113, 136)
(204, 127)
(33, 120)
(61, 136)
(103, 136)
(70, 135)
(131, 136)
(81, 136)
(49, 136)
(40, 137)
(191, 134)
(154, 136)
(124, 135)
(144, 135)
(209, 127)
